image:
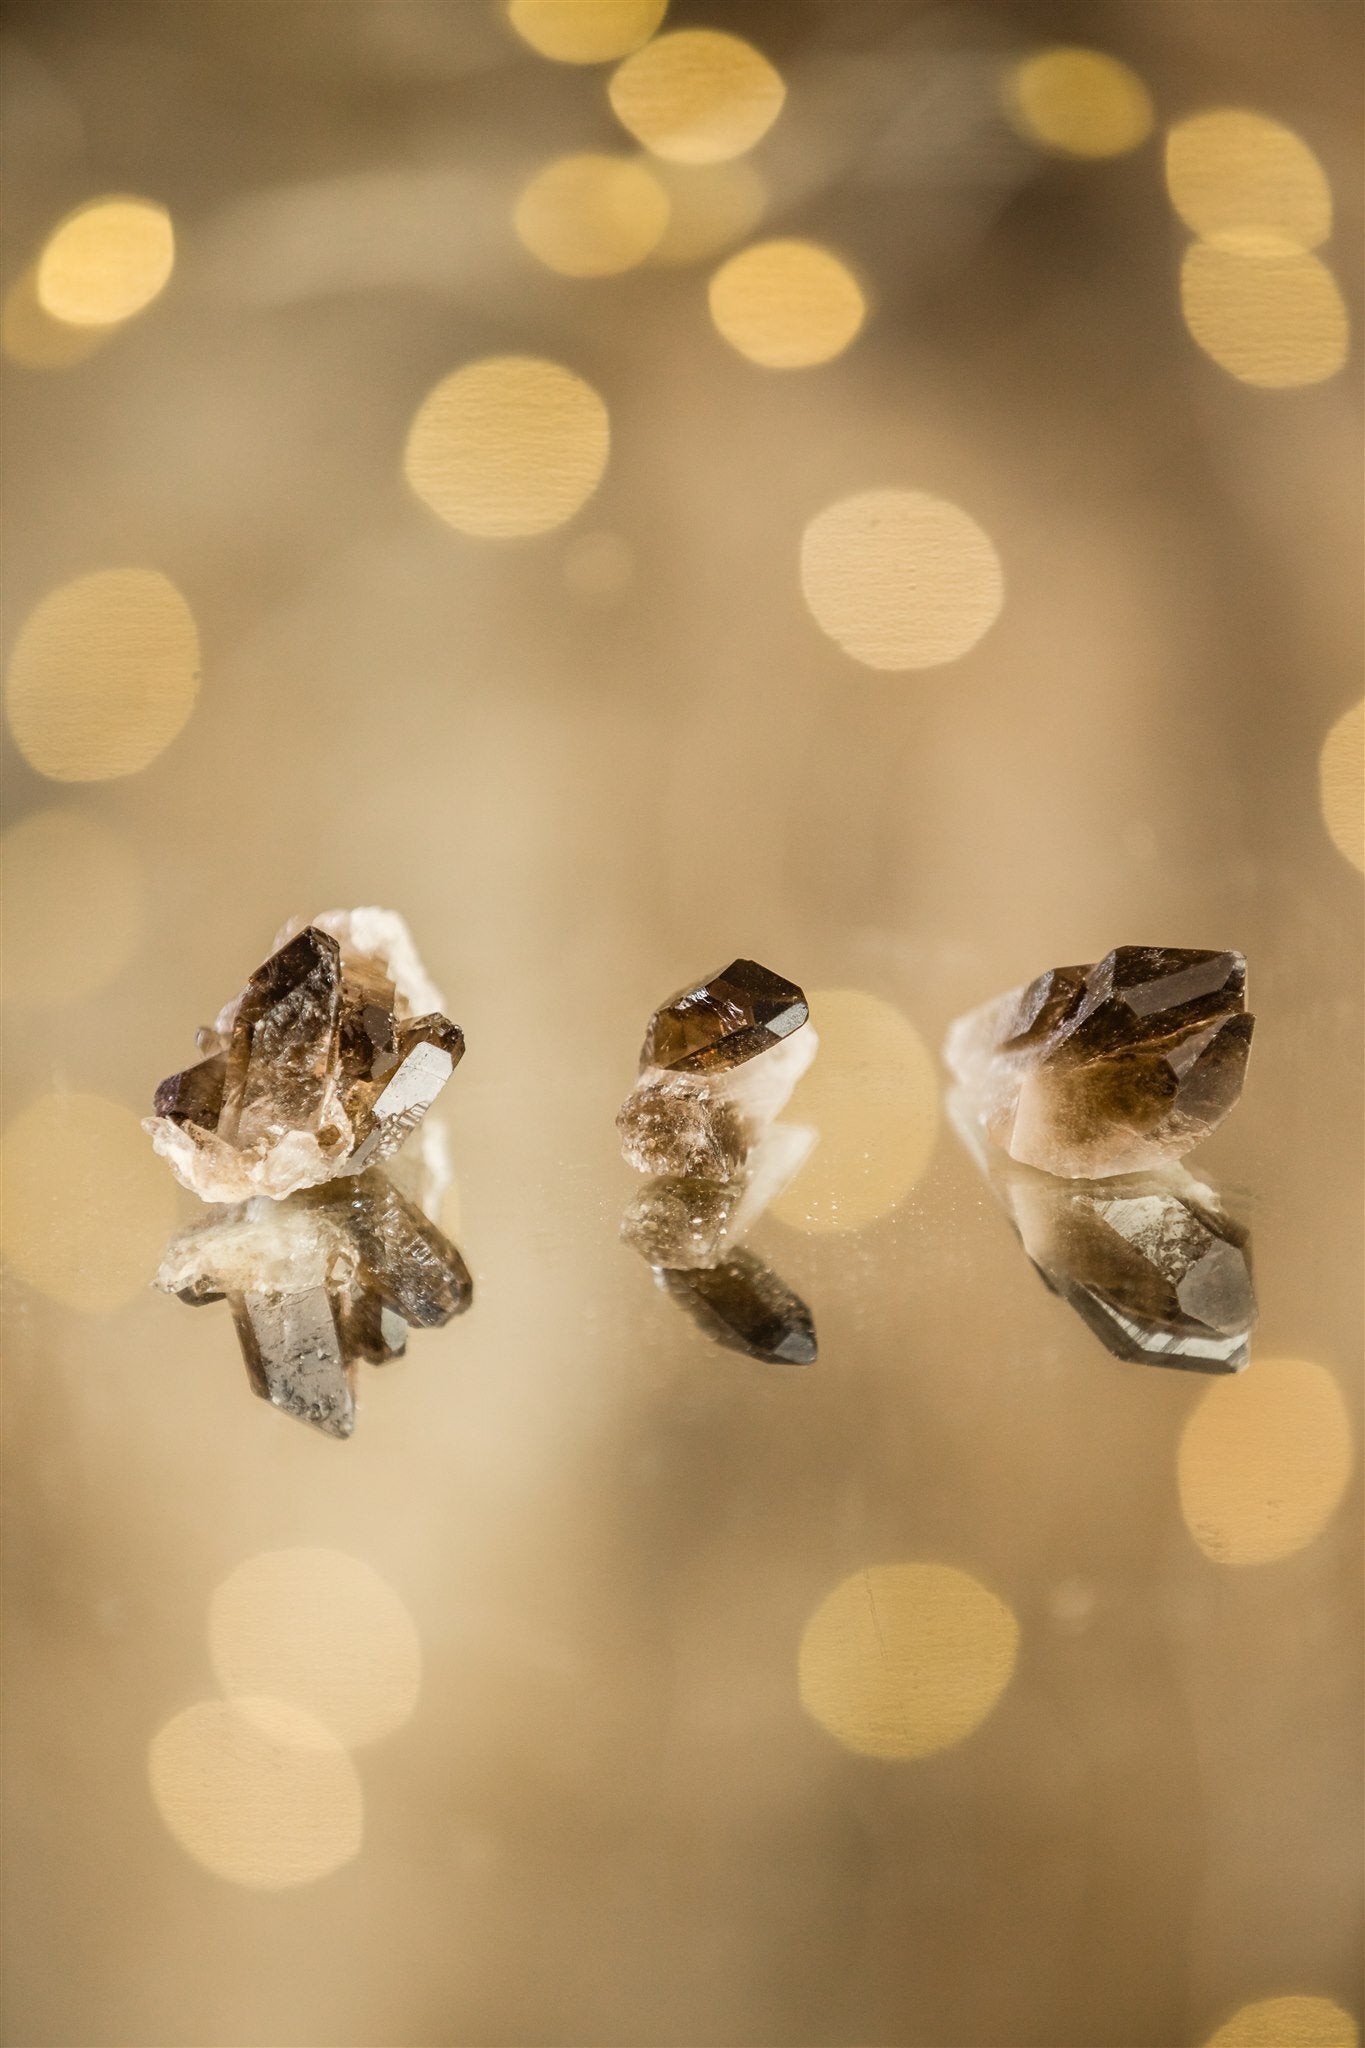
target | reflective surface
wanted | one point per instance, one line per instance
(408, 527)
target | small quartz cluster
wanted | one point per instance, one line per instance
(324, 1064)
(318, 1282)
(719, 1062)
(1116, 1068)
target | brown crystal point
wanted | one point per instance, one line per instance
(196, 1095)
(1155, 1269)
(719, 1023)
(743, 1305)
(284, 1041)
(1110, 1069)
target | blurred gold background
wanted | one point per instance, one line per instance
(867, 485)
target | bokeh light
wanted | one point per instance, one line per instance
(508, 446)
(697, 96)
(585, 31)
(1265, 311)
(900, 579)
(1264, 1461)
(257, 1792)
(322, 1630)
(1230, 168)
(872, 1095)
(1296, 2022)
(33, 339)
(710, 208)
(72, 906)
(106, 261)
(103, 675)
(786, 304)
(903, 1660)
(85, 1204)
(591, 215)
(1079, 102)
(598, 568)
(1341, 782)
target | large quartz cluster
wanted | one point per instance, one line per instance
(322, 1066)
(319, 1281)
(1111, 1069)
(719, 1061)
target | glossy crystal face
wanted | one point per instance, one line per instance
(317, 1068)
(1109, 1069)
(740, 1012)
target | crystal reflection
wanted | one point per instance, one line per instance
(317, 1282)
(690, 1229)
(1149, 1261)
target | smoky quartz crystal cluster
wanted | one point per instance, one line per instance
(1078, 1095)
(323, 1065)
(718, 1064)
(1115, 1068)
(318, 1234)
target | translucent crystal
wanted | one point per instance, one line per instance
(743, 1010)
(742, 1304)
(1112, 1069)
(317, 1282)
(320, 1067)
(705, 1120)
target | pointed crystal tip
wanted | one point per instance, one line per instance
(719, 1023)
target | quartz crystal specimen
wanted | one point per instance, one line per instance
(717, 1066)
(323, 1065)
(316, 1283)
(742, 1304)
(718, 1063)
(743, 1010)
(1112, 1069)
(1149, 1261)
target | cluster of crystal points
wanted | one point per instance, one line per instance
(319, 1281)
(323, 1065)
(1115, 1068)
(719, 1062)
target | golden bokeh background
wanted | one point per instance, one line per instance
(629, 483)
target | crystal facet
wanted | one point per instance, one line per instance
(322, 1066)
(690, 1221)
(743, 1305)
(1112, 1069)
(742, 1011)
(317, 1282)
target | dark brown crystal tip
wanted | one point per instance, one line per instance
(719, 1023)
